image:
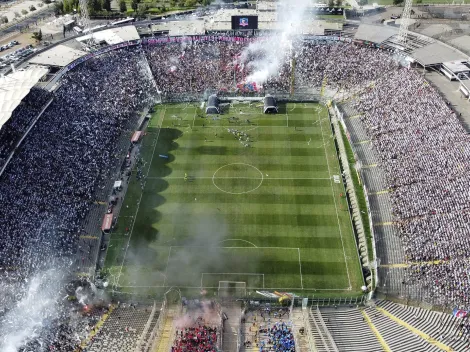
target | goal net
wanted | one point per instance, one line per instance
(232, 289)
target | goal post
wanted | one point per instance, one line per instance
(232, 289)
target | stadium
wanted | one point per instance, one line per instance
(246, 182)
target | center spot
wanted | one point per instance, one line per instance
(237, 178)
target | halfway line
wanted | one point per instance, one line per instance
(242, 177)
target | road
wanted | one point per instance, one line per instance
(26, 23)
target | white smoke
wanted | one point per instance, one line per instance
(30, 314)
(268, 56)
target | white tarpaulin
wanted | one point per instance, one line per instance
(14, 87)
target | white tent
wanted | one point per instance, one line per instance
(14, 87)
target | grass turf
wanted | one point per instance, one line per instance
(268, 214)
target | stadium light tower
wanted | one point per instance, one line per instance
(405, 21)
(85, 18)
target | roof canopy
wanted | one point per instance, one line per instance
(375, 34)
(437, 53)
(113, 35)
(59, 55)
(14, 87)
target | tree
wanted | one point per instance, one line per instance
(397, 2)
(190, 3)
(41, 4)
(24, 12)
(4, 19)
(134, 5)
(94, 6)
(66, 6)
(17, 14)
(122, 6)
(32, 8)
(331, 3)
(37, 36)
(339, 3)
(47, 2)
(106, 5)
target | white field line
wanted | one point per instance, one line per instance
(194, 117)
(253, 126)
(138, 204)
(242, 177)
(300, 267)
(166, 267)
(208, 274)
(267, 288)
(285, 248)
(237, 239)
(334, 200)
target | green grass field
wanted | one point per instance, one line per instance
(268, 214)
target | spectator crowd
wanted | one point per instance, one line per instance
(50, 184)
(425, 153)
(201, 338)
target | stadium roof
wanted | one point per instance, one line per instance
(462, 42)
(14, 87)
(113, 35)
(59, 55)
(437, 53)
(373, 33)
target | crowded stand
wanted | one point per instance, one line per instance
(425, 151)
(268, 329)
(218, 66)
(198, 330)
(21, 118)
(201, 338)
(50, 183)
(69, 146)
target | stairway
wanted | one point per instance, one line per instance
(167, 336)
(231, 326)
(321, 335)
(300, 339)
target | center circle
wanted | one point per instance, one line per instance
(237, 178)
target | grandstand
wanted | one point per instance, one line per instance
(296, 231)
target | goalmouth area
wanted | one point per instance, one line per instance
(240, 200)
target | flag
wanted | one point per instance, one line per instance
(459, 313)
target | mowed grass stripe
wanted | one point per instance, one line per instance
(182, 163)
(270, 209)
(253, 198)
(279, 219)
(276, 171)
(224, 150)
(280, 213)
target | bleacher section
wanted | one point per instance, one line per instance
(344, 325)
(255, 324)
(125, 328)
(441, 326)
(385, 326)
(389, 248)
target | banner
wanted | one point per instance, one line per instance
(459, 313)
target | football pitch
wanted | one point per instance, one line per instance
(240, 198)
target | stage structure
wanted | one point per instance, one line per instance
(270, 105)
(213, 105)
